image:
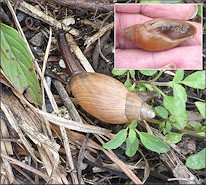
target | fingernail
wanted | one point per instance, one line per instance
(171, 66)
(195, 11)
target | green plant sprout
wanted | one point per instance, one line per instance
(173, 115)
(129, 134)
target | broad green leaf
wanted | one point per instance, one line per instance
(132, 135)
(118, 72)
(178, 76)
(181, 120)
(148, 72)
(172, 120)
(133, 124)
(117, 140)
(16, 62)
(127, 83)
(174, 138)
(132, 73)
(131, 147)
(168, 102)
(161, 111)
(180, 98)
(195, 80)
(201, 107)
(153, 143)
(197, 161)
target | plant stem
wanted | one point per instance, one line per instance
(158, 75)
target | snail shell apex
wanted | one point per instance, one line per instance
(107, 99)
(160, 34)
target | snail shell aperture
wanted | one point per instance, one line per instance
(160, 34)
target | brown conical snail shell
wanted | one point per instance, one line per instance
(102, 96)
(160, 34)
(107, 99)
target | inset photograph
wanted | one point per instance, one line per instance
(158, 36)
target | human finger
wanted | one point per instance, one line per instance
(188, 57)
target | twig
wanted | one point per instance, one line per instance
(81, 157)
(67, 101)
(27, 167)
(94, 37)
(100, 28)
(88, 4)
(73, 125)
(74, 115)
(83, 60)
(98, 48)
(42, 84)
(24, 174)
(69, 155)
(13, 123)
(36, 13)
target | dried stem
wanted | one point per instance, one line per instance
(88, 4)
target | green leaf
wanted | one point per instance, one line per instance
(133, 124)
(16, 62)
(167, 128)
(131, 147)
(168, 102)
(181, 121)
(174, 138)
(148, 72)
(161, 111)
(173, 122)
(195, 80)
(132, 73)
(162, 125)
(196, 125)
(197, 161)
(178, 76)
(127, 83)
(153, 143)
(200, 10)
(117, 140)
(142, 87)
(132, 88)
(132, 135)
(118, 72)
(201, 107)
(180, 98)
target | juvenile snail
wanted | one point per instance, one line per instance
(160, 34)
(100, 95)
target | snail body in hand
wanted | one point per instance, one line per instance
(103, 96)
(160, 34)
